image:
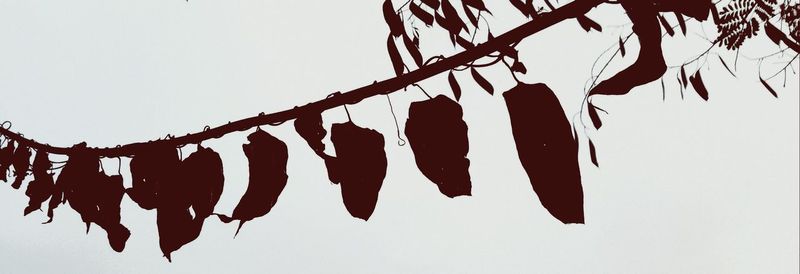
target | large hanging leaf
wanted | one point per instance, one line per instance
(6, 157)
(360, 167)
(438, 138)
(42, 186)
(151, 167)
(547, 149)
(197, 186)
(94, 195)
(21, 162)
(267, 157)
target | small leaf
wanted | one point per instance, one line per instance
(412, 50)
(684, 79)
(470, 15)
(423, 15)
(519, 67)
(769, 88)
(726, 66)
(681, 22)
(666, 25)
(454, 86)
(593, 153)
(699, 87)
(588, 24)
(521, 7)
(392, 19)
(451, 15)
(595, 118)
(482, 81)
(394, 55)
(773, 33)
(464, 43)
(21, 163)
(478, 4)
(621, 47)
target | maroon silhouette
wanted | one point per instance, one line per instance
(150, 168)
(309, 126)
(547, 149)
(94, 195)
(6, 157)
(21, 162)
(42, 186)
(360, 166)
(267, 157)
(438, 137)
(188, 198)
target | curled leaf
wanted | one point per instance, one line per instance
(21, 162)
(42, 186)
(6, 159)
(267, 157)
(697, 83)
(482, 81)
(547, 149)
(151, 167)
(438, 137)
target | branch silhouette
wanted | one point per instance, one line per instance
(543, 21)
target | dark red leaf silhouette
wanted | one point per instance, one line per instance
(360, 164)
(681, 22)
(621, 47)
(438, 138)
(151, 167)
(392, 19)
(519, 67)
(593, 153)
(454, 85)
(698, 85)
(547, 149)
(524, 9)
(769, 88)
(394, 55)
(593, 115)
(95, 196)
(649, 65)
(197, 185)
(482, 81)
(588, 24)
(423, 15)
(21, 162)
(684, 79)
(773, 33)
(666, 25)
(464, 43)
(6, 157)
(42, 186)
(413, 50)
(267, 157)
(726, 66)
(470, 15)
(451, 15)
(478, 4)
(309, 126)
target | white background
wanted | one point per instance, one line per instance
(685, 186)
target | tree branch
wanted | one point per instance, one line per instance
(545, 20)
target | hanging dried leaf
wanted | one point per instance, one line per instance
(454, 85)
(309, 126)
(423, 15)
(666, 25)
(547, 149)
(594, 117)
(197, 186)
(6, 157)
(593, 153)
(267, 157)
(360, 165)
(621, 47)
(482, 81)
(21, 162)
(519, 67)
(42, 186)
(769, 88)
(588, 24)
(77, 181)
(394, 56)
(109, 196)
(699, 87)
(681, 22)
(151, 167)
(393, 20)
(438, 138)
(413, 50)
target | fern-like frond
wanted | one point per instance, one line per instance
(742, 19)
(791, 15)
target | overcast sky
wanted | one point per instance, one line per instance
(685, 186)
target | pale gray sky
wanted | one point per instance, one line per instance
(685, 186)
